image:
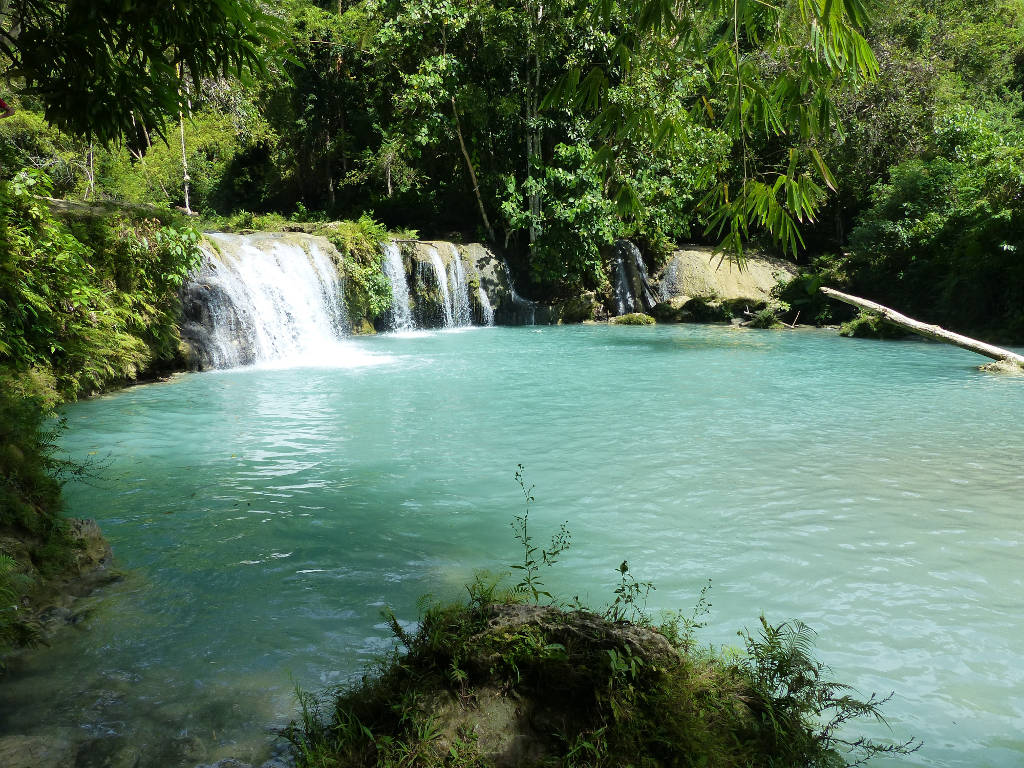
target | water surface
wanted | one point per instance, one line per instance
(266, 516)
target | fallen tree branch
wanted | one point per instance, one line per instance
(930, 331)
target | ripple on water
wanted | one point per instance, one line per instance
(267, 515)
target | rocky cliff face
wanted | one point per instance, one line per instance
(697, 284)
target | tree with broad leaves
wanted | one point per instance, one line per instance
(772, 71)
(100, 68)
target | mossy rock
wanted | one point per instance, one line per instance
(579, 310)
(868, 325)
(507, 684)
(634, 318)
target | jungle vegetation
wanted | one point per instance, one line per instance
(877, 143)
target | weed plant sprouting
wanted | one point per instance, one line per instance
(530, 583)
(630, 603)
(804, 711)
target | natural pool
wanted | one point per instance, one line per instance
(265, 516)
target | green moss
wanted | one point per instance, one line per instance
(367, 289)
(34, 539)
(635, 318)
(868, 325)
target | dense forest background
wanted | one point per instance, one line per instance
(407, 109)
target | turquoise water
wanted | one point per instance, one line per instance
(265, 517)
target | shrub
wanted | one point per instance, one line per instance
(868, 325)
(634, 318)
(94, 300)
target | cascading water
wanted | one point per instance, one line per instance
(525, 310)
(401, 312)
(462, 315)
(669, 279)
(624, 301)
(260, 298)
(442, 284)
(632, 285)
(485, 306)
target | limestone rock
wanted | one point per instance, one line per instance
(697, 272)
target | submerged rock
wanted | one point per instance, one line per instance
(43, 748)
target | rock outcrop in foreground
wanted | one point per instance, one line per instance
(513, 685)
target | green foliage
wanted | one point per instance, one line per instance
(94, 301)
(217, 143)
(28, 141)
(16, 627)
(803, 709)
(367, 290)
(805, 51)
(30, 472)
(245, 220)
(99, 68)
(942, 239)
(630, 602)
(868, 325)
(31, 476)
(767, 317)
(530, 584)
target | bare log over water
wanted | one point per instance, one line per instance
(924, 329)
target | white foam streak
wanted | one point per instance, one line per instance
(401, 313)
(442, 283)
(276, 303)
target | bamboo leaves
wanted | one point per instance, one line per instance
(770, 73)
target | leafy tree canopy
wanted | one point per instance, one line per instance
(99, 68)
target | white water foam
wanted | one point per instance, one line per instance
(442, 283)
(275, 302)
(401, 313)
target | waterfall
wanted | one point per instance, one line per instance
(485, 306)
(260, 298)
(401, 312)
(442, 284)
(459, 289)
(633, 291)
(524, 307)
(624, 301)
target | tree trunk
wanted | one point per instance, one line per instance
(472, 173)
(90, 172)
(184, 157)
(929, 331)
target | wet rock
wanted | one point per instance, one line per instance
(1003, 366)
(44, 748)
